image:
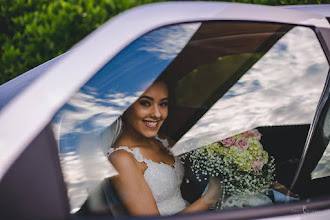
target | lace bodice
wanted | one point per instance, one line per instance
(163, 180)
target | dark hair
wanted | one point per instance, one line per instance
(162, 78)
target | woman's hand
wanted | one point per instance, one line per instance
(282, 189)
(214, 190)
(212, 194)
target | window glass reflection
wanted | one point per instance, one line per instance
(278, 95)
(103, 99)
(224, 79)
(282, 88)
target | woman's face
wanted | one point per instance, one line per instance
(148, 113)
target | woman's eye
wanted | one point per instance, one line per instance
(144, 103)
(163, 104)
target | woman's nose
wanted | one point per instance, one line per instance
(156, 112)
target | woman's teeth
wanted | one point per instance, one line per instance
(150, 123)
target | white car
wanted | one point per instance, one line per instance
(230, 68)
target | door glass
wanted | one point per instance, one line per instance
(224, 79)
(258, 104)
(103, 99)
(282, 88)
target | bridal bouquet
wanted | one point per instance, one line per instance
(240, 161)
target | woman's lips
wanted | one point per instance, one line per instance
(151, 124)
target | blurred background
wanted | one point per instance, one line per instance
(35, 31)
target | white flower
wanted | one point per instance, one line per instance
(244, 166)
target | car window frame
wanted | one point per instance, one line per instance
(253, 212)
(280, 209)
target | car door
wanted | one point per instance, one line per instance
(230, 68)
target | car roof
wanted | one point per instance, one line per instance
(56, 85)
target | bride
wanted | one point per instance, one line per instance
(150, 176)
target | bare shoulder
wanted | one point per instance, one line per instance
(122, 159)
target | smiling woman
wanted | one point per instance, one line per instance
(150, 177)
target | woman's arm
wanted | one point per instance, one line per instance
(211, 196)
(131, 186)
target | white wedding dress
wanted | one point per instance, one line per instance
(163, 180)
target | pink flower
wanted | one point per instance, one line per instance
(228, 142)
(242, 143)
(258, 164)
(252, 133)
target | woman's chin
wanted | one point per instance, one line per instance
(151, 134)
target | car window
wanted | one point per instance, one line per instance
(282, 88)
(276, 96)
(225, 79)
(103, 99)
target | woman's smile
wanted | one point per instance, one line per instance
(151, 124)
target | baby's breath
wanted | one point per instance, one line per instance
(244, 167)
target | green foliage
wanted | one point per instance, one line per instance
(34, 31)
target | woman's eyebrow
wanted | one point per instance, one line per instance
(152, 99)
(146, 97)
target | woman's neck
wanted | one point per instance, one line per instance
(130, 137)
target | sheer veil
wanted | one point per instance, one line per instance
(110, 135)
(94, 164)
